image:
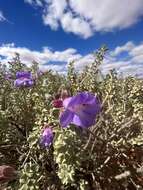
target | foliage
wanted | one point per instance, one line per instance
(77, 159)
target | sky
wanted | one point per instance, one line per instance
(55, 32)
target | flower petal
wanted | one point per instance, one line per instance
(86, 117)
(90, 109)
(66, 102)
(84, 122)
(66, 118)
(47, 137)
(23, 74)
(23, 82)
(84, 108)
(82, 98)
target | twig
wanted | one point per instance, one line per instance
(128, 173)
(25, 159)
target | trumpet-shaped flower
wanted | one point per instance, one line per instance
(23, 79)
(80, 110)
(47, 137)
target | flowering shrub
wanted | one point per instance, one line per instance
(81, 131)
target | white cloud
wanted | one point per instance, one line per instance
(85, 17)
(135, 52)
(83, 61)
(131, 65)
(109, 14)
(76, 25)
(58, 60)
(125, 48)
(46, 58)
(2, 18)
(53, 11)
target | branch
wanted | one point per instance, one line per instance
(128, 173)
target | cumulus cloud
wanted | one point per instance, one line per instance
(46, 58)
(76, 25)
(58, 60)
(85, 17)
(132, 64)
(135, 52)
(83, 61)
(125, 48)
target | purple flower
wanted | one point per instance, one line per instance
(23, 79)
(47, 137)
(80, 110)
(23, 74)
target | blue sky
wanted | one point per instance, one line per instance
(55, 32)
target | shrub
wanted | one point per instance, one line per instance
(107, 155)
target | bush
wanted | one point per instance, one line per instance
(108, 155)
